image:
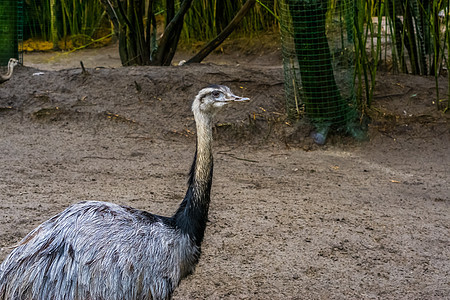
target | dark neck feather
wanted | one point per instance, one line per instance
(192, 215)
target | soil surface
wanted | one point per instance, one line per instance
(288, 219)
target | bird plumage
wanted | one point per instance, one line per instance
(100, 250)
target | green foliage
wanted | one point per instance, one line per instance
(207, 18)
(403, 36)
(39, 18)
(81, 16)
(204, 20)
(55, 19)
(367, 33)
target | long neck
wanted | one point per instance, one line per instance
(10, 70)
(8, 73)
(192, 214)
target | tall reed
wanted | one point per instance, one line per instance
(415, 39)
(54, 19)
(447, 39)
(207, 18)
(367, 34)
(81, 16)
(39, 18)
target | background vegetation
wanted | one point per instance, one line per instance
(402, 36)
(65, 23)
(409, 36)
(203, 21)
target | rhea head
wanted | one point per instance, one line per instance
(13, 62)
(210, 99)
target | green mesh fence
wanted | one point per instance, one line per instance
(11, 30)
(318, 56)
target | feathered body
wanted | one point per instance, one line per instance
(11, 64)
(102, 251)
(71, 256)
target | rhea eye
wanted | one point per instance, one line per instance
(216, 94)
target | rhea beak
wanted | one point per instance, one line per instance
(234, 98)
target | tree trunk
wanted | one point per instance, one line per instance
(322, 98)
(169, 41)
(138, 45)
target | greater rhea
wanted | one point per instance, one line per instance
(11, 64)
(98, 250)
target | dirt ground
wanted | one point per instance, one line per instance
(288, 219)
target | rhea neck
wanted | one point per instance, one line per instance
(10, 69)
(8, 74)
(192, 214)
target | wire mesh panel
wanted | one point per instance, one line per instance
(11, 30)
(318, 55)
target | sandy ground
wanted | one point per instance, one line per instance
(288, 219)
